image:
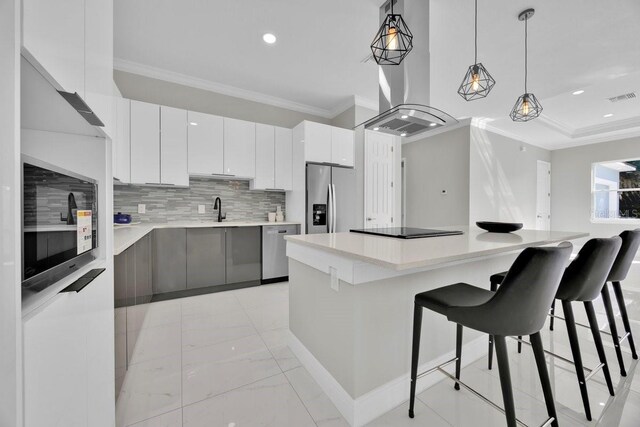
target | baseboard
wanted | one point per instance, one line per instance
(360, 411)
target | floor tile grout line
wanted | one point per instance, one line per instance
(150, 418)
(300, 398)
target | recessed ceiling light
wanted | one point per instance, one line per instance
(405, 117)
(578, 92)
(193, 123)
(376, 128)
(606, 116)
(269, 38)
(432, 124)
(403, 134)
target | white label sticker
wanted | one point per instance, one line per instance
(84, 233)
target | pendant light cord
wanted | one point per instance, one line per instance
(475, 61)
(526, 67)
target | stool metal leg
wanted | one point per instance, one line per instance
(505, 380)
(538, 352)
(597, 339)
(493, 287)
(458, 353)
(577, 357)
(519, 343)
(415, 353)
(606, 299)
(553, 313)
(617, 289)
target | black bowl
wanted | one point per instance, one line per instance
(499, 227)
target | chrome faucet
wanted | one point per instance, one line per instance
(217, 204)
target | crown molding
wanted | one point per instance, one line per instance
(183, 79)
(589, 131)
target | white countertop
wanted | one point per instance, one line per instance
(403, 254)
(126, 235)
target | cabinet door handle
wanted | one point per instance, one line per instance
(82, 282)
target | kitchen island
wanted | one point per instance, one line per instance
(351, 307)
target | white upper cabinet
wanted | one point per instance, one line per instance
(265, 157)
(122, 142)
(239, 148)
(173, 147)
(206, 144)
(145, 143)
(99, 61)
(283, 159)
(328, 144)
(53, 36)
(342, 142)
(317, 142)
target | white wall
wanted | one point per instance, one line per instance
(436, 163)
(10, 188)
(503, 178)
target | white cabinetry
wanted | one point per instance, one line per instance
(317, 142)
(328, 144)
(145, 143)
(53, 35)
(69, 360)
(122, 141)
(342, 142)
(206, 144)
(283, 159)
(173, 146)
(239, 148)
(265, 157)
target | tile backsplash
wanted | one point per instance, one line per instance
(167, 204)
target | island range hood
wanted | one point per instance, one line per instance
(404, 90)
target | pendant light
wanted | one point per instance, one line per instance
(527, 106)
(477, 83)
(393, 41)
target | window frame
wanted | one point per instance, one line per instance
(593, 192)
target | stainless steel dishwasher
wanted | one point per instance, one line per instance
(275, 266)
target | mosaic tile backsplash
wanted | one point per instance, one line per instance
(167, 204)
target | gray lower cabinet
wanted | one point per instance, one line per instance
(143, 290)
(243, 253)
(205, 257)
(169, 260)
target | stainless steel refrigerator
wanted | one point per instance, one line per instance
(331, 199)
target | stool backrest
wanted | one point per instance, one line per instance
(586, 275)
(521, 303)
(630, 244)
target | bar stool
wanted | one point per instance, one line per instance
(518, 307)
(583, 281)
(619, 271)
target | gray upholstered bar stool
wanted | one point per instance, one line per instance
(619, 271)
(583, 281)
(518, 307)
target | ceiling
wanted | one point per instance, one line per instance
(317, 65)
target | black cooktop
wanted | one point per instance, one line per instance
(406, 232)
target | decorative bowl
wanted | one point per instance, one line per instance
(121, 218)
(499, 227)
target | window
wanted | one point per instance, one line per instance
(615, 190)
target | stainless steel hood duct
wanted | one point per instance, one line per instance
(404, 90)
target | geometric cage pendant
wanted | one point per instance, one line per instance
(527, 108)
(393, 41)
(477, 83)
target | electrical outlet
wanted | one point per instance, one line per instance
(142, 208)
(335, 282)
(200, 209)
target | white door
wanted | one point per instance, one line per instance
(379, 192)
(543, 200)
(174, 155)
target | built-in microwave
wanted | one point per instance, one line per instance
(59, 224)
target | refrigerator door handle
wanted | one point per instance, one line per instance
(334, 206)
(329, 208)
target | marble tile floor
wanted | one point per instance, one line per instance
(222, 360)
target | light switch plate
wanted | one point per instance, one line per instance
(142, 208)
(200, 209)
(335, 282)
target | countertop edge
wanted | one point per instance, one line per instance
(435, 261)
(138, 231)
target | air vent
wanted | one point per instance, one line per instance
(81, 107)
(624, 97)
